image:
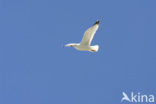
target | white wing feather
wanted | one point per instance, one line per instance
(89, 34)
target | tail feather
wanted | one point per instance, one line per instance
(95, 48)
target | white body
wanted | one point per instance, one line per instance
(84, 45)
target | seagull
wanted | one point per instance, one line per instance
(85, 44)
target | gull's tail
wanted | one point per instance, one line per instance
(95, 48)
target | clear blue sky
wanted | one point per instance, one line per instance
(35, 69)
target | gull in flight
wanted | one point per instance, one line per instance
(85, 44)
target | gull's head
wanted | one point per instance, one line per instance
(71, 45)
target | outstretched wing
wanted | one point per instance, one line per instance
(89, 34)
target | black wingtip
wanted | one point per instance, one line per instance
(97, 22)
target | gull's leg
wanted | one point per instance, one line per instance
(93, 50)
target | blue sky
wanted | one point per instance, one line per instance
(35, 69)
